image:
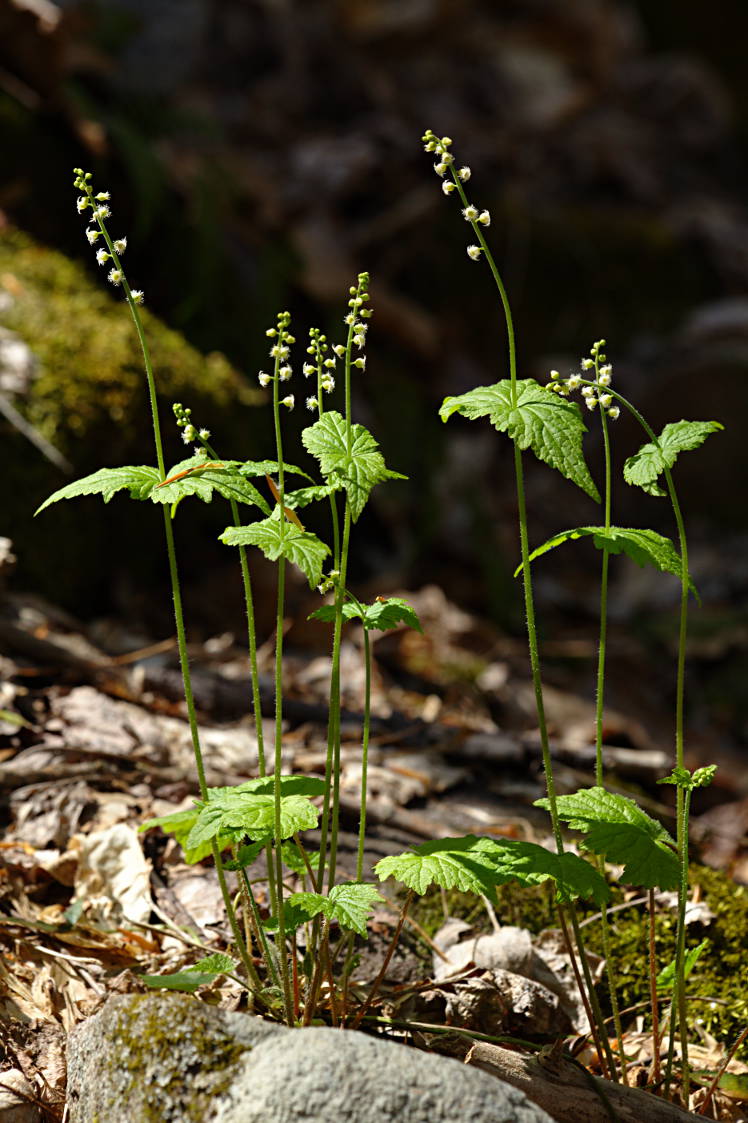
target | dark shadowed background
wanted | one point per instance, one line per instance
(261, 152)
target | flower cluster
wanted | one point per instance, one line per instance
(355, 320)
(452, 180)
(594, 389)
(184, 422)
(321, 367)
(280, 352)
(98, 206)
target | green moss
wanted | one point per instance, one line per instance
(89, 398)
(718, 985)
(147, 1036)
(90, 384)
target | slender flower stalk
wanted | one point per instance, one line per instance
(134, 297)
(478, 220)
(279, 352)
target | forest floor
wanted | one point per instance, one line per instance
(94, 741)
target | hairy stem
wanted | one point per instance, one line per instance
(383, 969)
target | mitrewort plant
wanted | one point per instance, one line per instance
(543, 419)
(288, 952)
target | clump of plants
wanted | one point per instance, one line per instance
(298, 962)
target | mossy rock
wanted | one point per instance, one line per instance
(88, 397)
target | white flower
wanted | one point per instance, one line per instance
(484, 218)
(349, 319)
(587, 364)
(591, 403)
(464, 174)
(328, 383)
(278, 351)
(606, 370)
(470, 213)
(359, 340)
(329, 363)
(284, 374)
(103, 197)
(101, 212)
(440, 168)
(339, 350)
(137, 295)
(604, 377)
(93, 235)
(447, 157)
(474, 252)
(574, 382)
(204, 434)
(605, 400)
(189, 434)
(308, 369)
(120, 245)
(360, 362)
(115, 276)
(288, 401)
(613, 412)
(587, 391)
(81, 203)
(263, 378)
(360, 329)
(448, 186)
(102, 257)
(311, 403)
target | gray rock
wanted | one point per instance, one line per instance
(157, 1058)
(322, 1073)
(170, 1058)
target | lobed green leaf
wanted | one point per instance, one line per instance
(198, 479)
(549, 425)
(349, 904)
(180, 824)
(618, 829)
(359, 469)
(138, 480)
(303, 496)
(645, 547)
(451, 863)
(643, 468)
(215, 964)
(379, 616)
(531, 864)
(239, 813)
(277, 539)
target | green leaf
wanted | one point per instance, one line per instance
(689, 781)
(270, 468)
(617, 828)
(531, 864)
(237, 813)
(303, 496)
(199, 480)
(359, 470)
(289, 785)
(645, 547)
(666, 977)
(246, 855)
(138, 480)
(379, 616)
(292, 858)
(452, 863)
(349, 904)
(643, 468)
(188, 980)
(215, 964)
(551, 426)
(180, 824)
(277, 539)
